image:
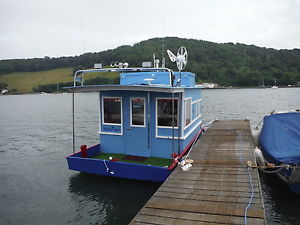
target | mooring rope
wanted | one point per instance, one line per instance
(250, 182)
(107, 169)
(252, 193)
(184, 158)
(272, 166)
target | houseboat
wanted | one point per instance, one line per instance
(146, 123)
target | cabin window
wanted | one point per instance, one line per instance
(137, 111)
(188, 111)
(198, 108)
(112, 110)
(164, 112)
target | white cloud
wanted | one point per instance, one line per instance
(32, 28)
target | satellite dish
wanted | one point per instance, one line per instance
(125, 65)
(180, 59)
(119, 64)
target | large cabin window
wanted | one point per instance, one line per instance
(137, 111)
(112, 110)
(188, 111)
(164, 112)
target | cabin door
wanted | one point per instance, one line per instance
(136, 130)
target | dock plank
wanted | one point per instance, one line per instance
(216, 190)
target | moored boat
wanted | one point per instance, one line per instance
(279, 140)
(146, 123)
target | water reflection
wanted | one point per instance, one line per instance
(104, 200)
(276, 195)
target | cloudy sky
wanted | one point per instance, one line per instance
(38, 28)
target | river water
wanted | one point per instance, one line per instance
(36, 186)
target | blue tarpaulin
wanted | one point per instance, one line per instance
(280, 138)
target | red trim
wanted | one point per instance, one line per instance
(80, 151)
(187, 148)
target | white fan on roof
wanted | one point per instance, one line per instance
(180, 59)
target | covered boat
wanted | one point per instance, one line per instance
(146, 124)
(280, 143)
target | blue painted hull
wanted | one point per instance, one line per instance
(116, 169)
(123, 169)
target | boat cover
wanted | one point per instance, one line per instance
(280, 138)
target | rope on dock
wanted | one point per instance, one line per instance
(271, 166)
(250, 182)
(186, 164)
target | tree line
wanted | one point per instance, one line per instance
(226, 63)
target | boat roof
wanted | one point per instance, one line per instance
(122, 70)
(127, 86)
(151, 88)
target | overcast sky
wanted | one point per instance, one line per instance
(38, 28)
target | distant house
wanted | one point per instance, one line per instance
(4, 91)
(208, 85)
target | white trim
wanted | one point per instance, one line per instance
(191, 130)
(110, 133)
(162, 127)
(111, 124)
(199, 109)
(185, 136)
(198, 100)
(186, 126)
(168, 137)
(156, 115)
(194, 120)
(130, 112)
(120, 124)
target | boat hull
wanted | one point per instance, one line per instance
(116, 168)
(123, 169)
(119, 169)
(279, 140)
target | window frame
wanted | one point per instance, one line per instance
(130, 105)
(185, 114)
(121, 113)
(156, 111)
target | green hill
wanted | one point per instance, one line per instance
(226, 64)
(50, 80)
(24, 82)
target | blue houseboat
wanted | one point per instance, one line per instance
(146, 123)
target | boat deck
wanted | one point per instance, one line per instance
(217, 189)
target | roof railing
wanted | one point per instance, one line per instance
(78, 75)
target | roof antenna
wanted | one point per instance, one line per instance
(180, 59)
(163, 63)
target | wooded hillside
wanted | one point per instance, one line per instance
(226, 64)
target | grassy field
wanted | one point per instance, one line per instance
(23, 82)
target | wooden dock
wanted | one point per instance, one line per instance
(217, 189)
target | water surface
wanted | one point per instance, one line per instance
(35, 136)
